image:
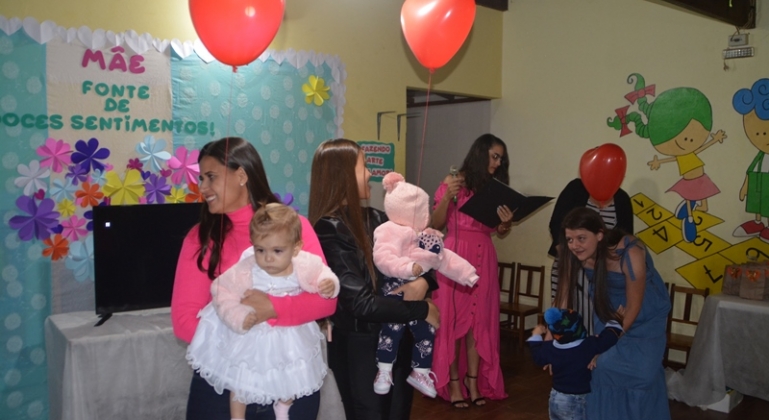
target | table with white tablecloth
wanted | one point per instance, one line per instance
(131, 367)
(730, 349)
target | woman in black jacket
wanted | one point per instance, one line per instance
(345, 230)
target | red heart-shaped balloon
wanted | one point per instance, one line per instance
(602, 170)
(435, 29)
(236, 32)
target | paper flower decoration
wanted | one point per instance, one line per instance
(153, 152)
(315, 90)
(177, 195)
(32, 177)
(194, 195)
(56, 154)
(185, 166)
(80, 259)
(89, 195)
(88, 155)
(74, 228)
(39, 221)
(62, 189)
(125, 191)
(157, 189)
(57, 247)
(66, 207)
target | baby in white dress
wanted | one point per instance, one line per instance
(259, 363)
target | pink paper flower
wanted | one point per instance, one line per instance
(74, 228)
(185, 166)
(56, 154)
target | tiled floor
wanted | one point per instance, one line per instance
(528, 388)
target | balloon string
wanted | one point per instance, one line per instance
(424, 128)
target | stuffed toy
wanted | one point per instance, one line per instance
(405, 240)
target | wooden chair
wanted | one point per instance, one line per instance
(530, 284)
(681, 342)
(506, 295)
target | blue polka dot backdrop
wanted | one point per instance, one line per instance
(91, 118)
(26, 273)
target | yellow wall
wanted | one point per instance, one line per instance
(565, 67)
(366, 35)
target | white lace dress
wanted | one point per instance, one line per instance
(266, 363)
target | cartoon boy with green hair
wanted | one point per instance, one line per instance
(679, 124)
(753, 104)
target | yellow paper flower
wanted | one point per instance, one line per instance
(315, 90)
(177, 195)
(125, 191)
(66, 208)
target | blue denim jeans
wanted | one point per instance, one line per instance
(566, 406)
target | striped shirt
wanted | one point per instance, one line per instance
(584, 305)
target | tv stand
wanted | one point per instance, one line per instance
(103, 318)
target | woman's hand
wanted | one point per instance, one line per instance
(260, 301)
(433, 314)
(414, 290)
(593, 363)
(506, 216)
(454, 184)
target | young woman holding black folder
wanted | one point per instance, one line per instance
(470, 315)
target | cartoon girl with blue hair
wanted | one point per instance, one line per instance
(753, 104)
(679, 124)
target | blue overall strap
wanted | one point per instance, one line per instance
(623, 253)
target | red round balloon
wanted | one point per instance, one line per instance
(236, 32)
(435, 29)
(602, 170)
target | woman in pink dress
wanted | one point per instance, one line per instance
(466, 358)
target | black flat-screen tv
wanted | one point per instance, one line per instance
(135, 253)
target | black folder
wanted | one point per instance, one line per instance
(482, 206)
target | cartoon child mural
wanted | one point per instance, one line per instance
(678, 125)
(753, 105)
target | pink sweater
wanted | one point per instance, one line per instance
(192, 287)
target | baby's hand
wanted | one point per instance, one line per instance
(416, 270)
(326, 288)
(250, 321)
(539, 330)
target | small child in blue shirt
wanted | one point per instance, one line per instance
(569, 356)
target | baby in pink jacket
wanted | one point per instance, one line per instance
(405, 248)
(259, 363)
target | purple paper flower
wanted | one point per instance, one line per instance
(87, 155)
(40, 220)
(77, 174)
(156, 189)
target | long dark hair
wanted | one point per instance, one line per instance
(334, 191)
(569, 265)
(235, 153)
(476, 165)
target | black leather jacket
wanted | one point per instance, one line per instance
(359, 307)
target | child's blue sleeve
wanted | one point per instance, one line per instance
(539, 351)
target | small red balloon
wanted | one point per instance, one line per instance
(236, 32)
(436, 29)
(602, 170)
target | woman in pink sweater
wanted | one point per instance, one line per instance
(234, 184)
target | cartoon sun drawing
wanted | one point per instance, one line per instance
(678, 125)
(753, 105)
